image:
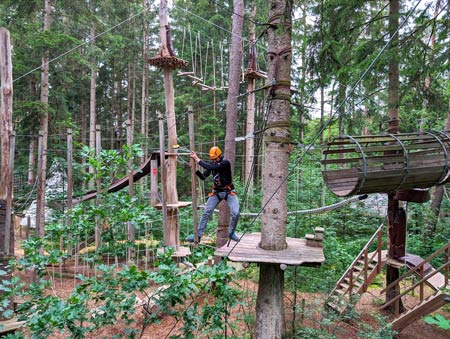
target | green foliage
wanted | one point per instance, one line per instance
(438, 320)
(383, 330)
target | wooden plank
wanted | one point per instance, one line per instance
(10, 325)
(342, 173)
(423, 309)
(179, 204)
(437, 281)
(248, 250)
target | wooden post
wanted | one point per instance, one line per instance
(250, 125)
(69, 169)
(6, 166)
(193, 176)
(131, 229)
(40, 195)
(98, 147)
(162, 159)
(154, 182)
(31, 161)
(69, 179)
(9, 231)
(171, 180)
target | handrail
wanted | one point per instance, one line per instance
(421, 281)
(428, 259)
(363, 251)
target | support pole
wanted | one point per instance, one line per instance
(154, 182)
(98, 148)
(194, 177)
(9, 231)
(163, 176)
(69, 170)
(131, 228)
(6, 165)
(171, 180)
(69, 181)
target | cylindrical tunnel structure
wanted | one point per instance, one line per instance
(386, 163)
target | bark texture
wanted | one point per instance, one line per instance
(234, 78)
(269, 303)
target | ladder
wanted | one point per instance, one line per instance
(429, 299)
(359, 275)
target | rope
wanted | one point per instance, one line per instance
(318, 210)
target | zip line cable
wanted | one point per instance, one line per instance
(330, 120)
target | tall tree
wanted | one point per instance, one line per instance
(42, 163)
(6, 130)
(250, 125)
(6, 168)
(234, 78)
(438, 191)
(171, 182)
(92, 98)
(396, 214)
(269, 303)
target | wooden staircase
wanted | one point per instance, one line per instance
(429, 299)
(359, 275)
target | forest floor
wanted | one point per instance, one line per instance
(367, 307)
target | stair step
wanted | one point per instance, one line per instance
(425, 307)
(335, 307)
(361, 264)
(356, 283)
(346, 287)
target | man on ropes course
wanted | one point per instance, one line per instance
(222, 188)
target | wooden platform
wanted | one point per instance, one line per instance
(296, 254)
(179, 204)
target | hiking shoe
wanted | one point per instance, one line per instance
(233, 237)
(191, 238)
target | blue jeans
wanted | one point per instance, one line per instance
(212, 203)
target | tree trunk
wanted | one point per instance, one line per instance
(6, 132)
(436, 201)
(144, 78)
(171, 182)
(92, 105)
(438, 191)
(31, 162)
(395, 233)
(119, 133)
(42, 169)
(234, 77)
(113, 132)
(341, 107)
(269, 303)
(250, 125)
(143, 119)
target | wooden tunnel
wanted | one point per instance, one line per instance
(386, 163)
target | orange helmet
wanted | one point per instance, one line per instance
(214, 152)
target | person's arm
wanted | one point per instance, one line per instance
(205, 173)
(214, 166)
